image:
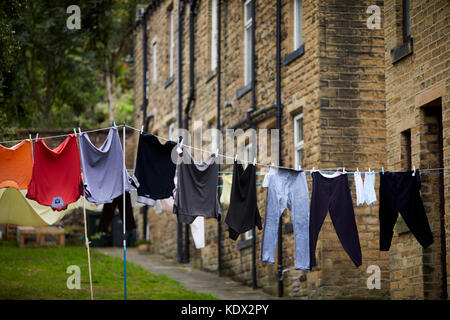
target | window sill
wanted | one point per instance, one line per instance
(402, 51)
(244, 244)
(241, 92)
(168, 82)
(211, 75)
(294, 55)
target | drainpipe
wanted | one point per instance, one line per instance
(279, 107)
(249, 120)
(191, 99)
(180, 110)
(144, 100)
(219, 223)
(444, 294)
(253, 105)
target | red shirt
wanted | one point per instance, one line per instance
(56, 179)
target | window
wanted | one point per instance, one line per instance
(298, 23)
(214, 144)
(298, 140)
(248, 40)
(406, 21)
(155, 66)
(172, 132)
(248, 155)
(172, 42)
(248, 235)
(213, 34)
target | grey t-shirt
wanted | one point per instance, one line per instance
(196, 192)
(103, 168)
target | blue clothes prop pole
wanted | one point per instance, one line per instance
(124, 224)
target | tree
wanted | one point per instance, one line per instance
(110, 24)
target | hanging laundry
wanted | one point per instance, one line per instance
(16, 165)
(103, 168)
(155, 169)
(331, 192)
(226, 189)
(365, 191)
(359, 185)
(198, 232)
(197, 226)
(17, 209)
(287, 188)
(399, 191)
(110, 208)
(196, 194)
(369, 188)
(56, 179)
(243, 214)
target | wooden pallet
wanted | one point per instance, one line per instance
(40, 237)
(11, 231)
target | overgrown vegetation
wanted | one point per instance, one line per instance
(54, 77)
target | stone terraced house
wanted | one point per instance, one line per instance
(345, 93)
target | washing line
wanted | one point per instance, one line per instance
(307, 171)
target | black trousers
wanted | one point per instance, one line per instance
(333, 194)
(108, 213)
(399, 191)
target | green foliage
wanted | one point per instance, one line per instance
(54, 77)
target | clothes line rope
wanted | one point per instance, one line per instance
(350, 172)
(58, 136)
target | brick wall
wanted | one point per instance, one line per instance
(339, 86)
(416, 92)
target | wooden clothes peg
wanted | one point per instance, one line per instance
(414, 171)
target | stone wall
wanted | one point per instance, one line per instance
(417, 87)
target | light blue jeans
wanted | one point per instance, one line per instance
(287, 189)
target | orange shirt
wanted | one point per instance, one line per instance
(16, 165)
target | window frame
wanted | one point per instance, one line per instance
(172, 43)
(171, 131)
(155, 61)
(297, 24)
(214, 30)
(248, 40)
(406, 20)
(298, 145)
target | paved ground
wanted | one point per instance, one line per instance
(194, 279)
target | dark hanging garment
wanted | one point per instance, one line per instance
(155, 169)
(196, 194)
(243, 214)
(399, 191)
(330, 192)
(110, 208)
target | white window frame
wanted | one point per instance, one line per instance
(172, 43)
(248, 234)
(213, 34)
(155, 62)
(298, 144)
(214, 142)
(298, 24)
(248, 39)
(171, 131)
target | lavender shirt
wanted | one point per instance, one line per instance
(103, 168)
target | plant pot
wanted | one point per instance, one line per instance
(145, 247)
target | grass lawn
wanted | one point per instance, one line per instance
(40, 273)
